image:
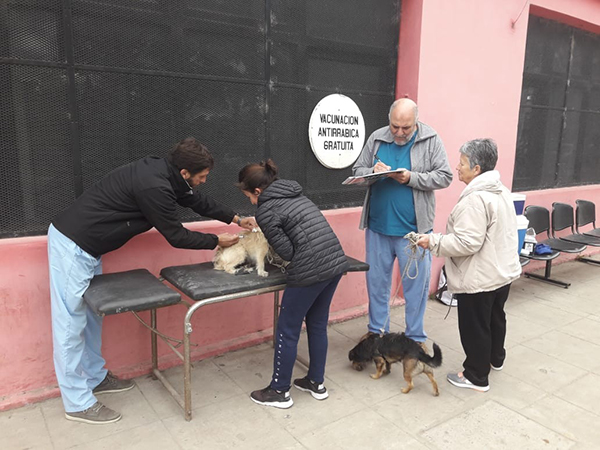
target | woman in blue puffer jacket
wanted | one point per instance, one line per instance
(300, 234)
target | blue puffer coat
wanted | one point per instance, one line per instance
(299, 233)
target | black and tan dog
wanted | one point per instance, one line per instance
(393, 347)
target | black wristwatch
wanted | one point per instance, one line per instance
(239, 221)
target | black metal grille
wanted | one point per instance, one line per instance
(559, 123)
(36, 162)
(89, 85)
(32, 30)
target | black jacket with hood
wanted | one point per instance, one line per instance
(134, 198)
(299, 233)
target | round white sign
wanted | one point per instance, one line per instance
(336, 131)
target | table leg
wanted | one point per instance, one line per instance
(187, 331)
(187, 374)
(154, 338)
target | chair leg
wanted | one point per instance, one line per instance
(588, 260)
(546, 276)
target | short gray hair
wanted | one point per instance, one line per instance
(404, 100)
(482, 153)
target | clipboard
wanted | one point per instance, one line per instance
(369, 178)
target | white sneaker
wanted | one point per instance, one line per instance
(461, 381)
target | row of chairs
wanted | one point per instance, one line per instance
(562, 218)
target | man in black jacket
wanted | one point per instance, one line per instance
(128, 201)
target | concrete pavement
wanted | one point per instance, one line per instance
(546, 397)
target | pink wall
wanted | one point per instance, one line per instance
(26, 367)
(462, 60)
(409, 49)
(470, 71)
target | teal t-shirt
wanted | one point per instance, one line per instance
(392, 207)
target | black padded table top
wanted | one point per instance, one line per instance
(201, 281)
(134, 290)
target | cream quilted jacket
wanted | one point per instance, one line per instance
(480, 244)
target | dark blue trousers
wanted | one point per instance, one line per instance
(310, 303)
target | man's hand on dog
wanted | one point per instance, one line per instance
(227, 240)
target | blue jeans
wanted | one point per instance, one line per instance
(382, 250)
(76, 329)
(310, 302)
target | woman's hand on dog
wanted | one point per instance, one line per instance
(227, 240)
(249, 223)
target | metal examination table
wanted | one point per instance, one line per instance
(139, 290)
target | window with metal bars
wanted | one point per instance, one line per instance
(558, 140)
(89, 85)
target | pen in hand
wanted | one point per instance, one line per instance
(379, 161)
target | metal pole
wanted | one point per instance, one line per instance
(169, 388)
(187, 330)
(154, 340)
(187, 370)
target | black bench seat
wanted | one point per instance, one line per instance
(134, 290)
(201, 281)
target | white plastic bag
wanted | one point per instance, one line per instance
(529, 242)
(443, 294)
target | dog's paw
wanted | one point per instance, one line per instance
(262, 273)
(375, 376)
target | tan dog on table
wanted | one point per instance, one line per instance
(249, 253)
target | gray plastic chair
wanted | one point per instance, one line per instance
(585, 213)
(562, 218)
(539, 220)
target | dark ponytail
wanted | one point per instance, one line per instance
(257, 175)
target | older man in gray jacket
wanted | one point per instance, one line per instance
(397, 204)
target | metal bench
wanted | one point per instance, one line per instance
(139, 290)
(539, 220)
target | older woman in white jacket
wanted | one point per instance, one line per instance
(480, 246)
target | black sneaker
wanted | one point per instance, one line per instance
(318, 391)
(112, 384)
(270, 397)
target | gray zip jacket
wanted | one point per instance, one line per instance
(430, 171)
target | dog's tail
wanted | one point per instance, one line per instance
(432, 361)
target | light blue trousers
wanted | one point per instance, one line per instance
(382, 250)
(76, 329)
